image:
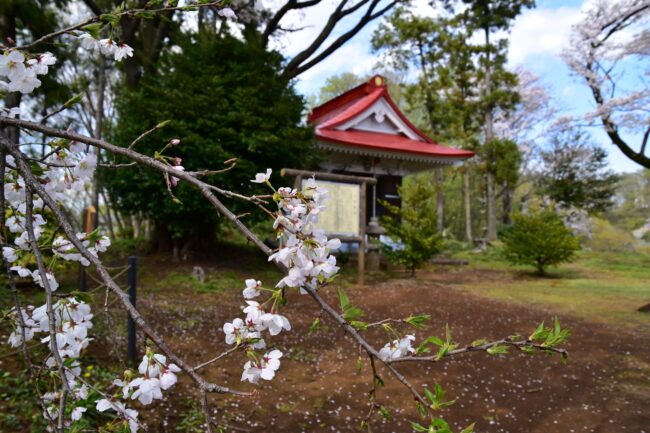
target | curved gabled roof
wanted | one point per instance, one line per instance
(367, 117)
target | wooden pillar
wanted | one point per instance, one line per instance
(362, 234)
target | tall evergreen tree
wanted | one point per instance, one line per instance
(447, 83)
(574, 172)
(488, 17)
(240, 108)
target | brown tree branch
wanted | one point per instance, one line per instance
(299, 63)
(33, 183)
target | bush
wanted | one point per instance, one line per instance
(415, 231)
(607, 237)
(539, 239)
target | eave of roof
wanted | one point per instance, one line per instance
(391, 143)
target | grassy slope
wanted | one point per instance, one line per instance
(602, 286)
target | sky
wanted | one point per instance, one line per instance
(537, 39)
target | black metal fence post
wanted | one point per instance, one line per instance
(131, 323)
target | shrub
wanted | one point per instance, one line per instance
(539, 239)
(417, 235)
(607, 237)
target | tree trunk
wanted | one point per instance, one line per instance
(489, 136)
(109, 217)
(97, 133)
(440, 199)
(507, 204)
(135, 225)
(491, 208)
(468, 205)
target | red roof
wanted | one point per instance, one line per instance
(330, 118)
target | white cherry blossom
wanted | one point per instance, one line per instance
(275, 323)
(227, 13)
(262, 177)
(264, 368)
(122, 51)
(77, 412)
(12, 65)
(252, 288)
(397, 348)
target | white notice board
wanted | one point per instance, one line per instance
(342, 214)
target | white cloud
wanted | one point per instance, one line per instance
(541, 31)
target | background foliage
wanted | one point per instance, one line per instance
(240, 108)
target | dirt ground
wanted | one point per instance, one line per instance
(605, 387)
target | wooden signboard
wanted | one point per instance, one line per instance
(342, 214)
(345, 217)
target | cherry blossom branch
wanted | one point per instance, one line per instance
(362, 342)
(205, 189)
(373, 392)
(99, 18)
(507, 341)
(216, 358)
(146, 133)
(222, 209)
(384, 321)
(50, 310)
(30, 180)
(24, 349)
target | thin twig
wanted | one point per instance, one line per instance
(218, 357)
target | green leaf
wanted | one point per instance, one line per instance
(36, 169)
(163, 124)
(539, 332)
(468, 429)
(145, 15)
(418, 321)
(93, 29)
(429, 395)
(527, 349)
(421, 409)
(480, 342)
(385, 413)
(344, 300)
(110, 18)
(499, 349)
(314, 326)
(359, 364)
(352, 313)
(418, 428)
(360, 326)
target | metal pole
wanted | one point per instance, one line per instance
(132, 298)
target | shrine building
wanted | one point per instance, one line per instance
(362, 132)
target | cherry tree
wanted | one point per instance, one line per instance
(609, 51)
(32, 192)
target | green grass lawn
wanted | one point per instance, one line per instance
(607, 287)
